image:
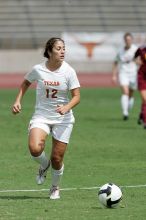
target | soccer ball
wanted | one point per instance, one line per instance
(109, 195)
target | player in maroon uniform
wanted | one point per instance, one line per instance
(140, 58)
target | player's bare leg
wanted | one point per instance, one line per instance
(37, 139)
(143, 107)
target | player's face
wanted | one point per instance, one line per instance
(128, 41)
(58, 51)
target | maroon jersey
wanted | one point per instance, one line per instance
(141, 52)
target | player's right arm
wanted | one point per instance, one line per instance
(16, 108)
(115, 72)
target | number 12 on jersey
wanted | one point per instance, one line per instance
(51, 93)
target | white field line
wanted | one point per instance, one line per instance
(65, 189)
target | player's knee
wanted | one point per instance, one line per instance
(36, 148)
(126, 93)
(56, 161)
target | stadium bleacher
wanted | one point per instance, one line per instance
(28, 23)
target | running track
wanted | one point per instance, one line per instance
(86, 80)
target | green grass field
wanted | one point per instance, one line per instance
(103, 148)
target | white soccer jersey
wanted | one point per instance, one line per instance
(125, 60)
(52, 90)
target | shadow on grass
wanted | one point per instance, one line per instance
(23, 197)
(104, 208)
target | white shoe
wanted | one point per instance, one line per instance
(40, 178)
(54, 192)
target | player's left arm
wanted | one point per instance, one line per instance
(75, 94)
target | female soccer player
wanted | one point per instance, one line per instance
(53, 111)
(127, 69)
(140, 59)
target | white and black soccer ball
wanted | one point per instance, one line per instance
(109, 195)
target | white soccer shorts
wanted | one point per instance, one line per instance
(128, 80)
(60, 132)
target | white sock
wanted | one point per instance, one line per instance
(131, 103)
(125, 104)
(56, 176)
(42, 160)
